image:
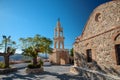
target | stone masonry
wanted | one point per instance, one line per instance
(59, 55)
(98, 40)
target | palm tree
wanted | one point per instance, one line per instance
(47, 44)
(9, 50)
(33, 46)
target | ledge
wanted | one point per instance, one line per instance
(7, 70)
(36, 70)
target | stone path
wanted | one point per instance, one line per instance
(50, 73)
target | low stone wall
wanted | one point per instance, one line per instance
(93, 75)
(36, 70)
(7, 70)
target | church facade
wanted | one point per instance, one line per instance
(60, 55)
(99, 42)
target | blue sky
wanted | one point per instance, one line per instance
(25, 18)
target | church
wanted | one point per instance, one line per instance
(99, 42)
(59, 56)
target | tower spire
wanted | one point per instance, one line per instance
(58, 38)
(58, 23)
(58, 19)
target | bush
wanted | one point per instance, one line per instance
(41, 62)
(31, 66)
(2, 65)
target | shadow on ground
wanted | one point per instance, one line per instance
(65, 76)
(43, 75)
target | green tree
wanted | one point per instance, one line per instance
(9, 49)
(48, 42)
(32, 46)
(71, 52)
(71, 56)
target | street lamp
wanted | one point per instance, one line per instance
(6, 39)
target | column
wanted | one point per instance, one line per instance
(58, 44)
(62, 45)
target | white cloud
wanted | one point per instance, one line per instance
(18, 51)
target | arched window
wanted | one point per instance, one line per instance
(98, 17)
(117, 50)
(89, 55)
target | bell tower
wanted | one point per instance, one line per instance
(58, 36)
(59, 55)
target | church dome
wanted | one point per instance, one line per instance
(103, 18)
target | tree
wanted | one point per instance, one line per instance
(9, 49)
(71, 56)
(71, 52)
(32, 46)
(48, 42)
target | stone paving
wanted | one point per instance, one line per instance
(52, 72)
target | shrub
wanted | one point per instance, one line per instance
(31, 66)
(41, 62)
(2, 65)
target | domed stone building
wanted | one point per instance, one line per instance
(99, 43)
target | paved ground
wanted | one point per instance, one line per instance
(50, 73)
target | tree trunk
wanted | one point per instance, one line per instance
(34, 60)
(6, 58)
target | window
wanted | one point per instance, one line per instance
(89, 55)
(98, 17)
(117, 47)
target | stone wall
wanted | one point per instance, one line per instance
(36, 70)
(102, 47)
(53, 57)
(8, 70)
(101, 34)
(59, 56)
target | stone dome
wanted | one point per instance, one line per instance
(103, 18)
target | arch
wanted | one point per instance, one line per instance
(98, 17)
(116, 44)
(118, 35)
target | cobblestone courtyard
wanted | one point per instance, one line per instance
(50, 73)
